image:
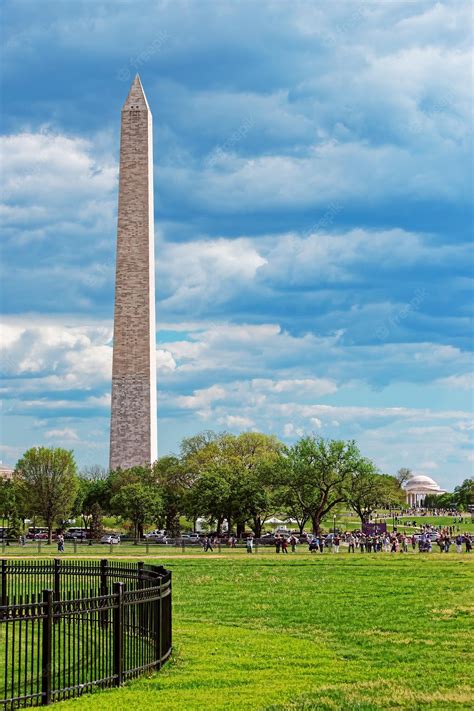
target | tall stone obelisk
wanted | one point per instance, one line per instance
(133, 429)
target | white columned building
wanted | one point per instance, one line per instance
(418, 487)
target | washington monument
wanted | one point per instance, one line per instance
(133, 429)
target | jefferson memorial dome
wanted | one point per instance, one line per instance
(418, 487)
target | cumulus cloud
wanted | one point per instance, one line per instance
(198, 273)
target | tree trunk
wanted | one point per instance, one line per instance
(316, 522)
(257, 526)
(240, 529)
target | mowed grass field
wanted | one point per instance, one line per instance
(274, 633)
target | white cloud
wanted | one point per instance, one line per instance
(289, 430)
(202, 272)
(66, 434)
(49, 179)
(201, 399)
(237, 422)
(463, 382)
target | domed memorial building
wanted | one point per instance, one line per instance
(420, 486)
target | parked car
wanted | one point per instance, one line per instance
(110, 538)
(432, 535)
(189, 538)
(78, 534)
(38, 534)
(157, 533)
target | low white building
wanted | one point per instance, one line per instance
(420, 486)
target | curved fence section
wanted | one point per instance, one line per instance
(67, 627)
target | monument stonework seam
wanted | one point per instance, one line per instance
(133, 427)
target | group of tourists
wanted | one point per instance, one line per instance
(394, 542)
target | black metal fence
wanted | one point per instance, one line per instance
(68, 627)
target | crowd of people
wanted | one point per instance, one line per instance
(394, 542)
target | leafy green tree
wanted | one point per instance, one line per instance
(463, 494)
(91, 493)
(173, 483)
(95, 521)
(138, 502)
(439, 501)
(212, 496)
(316, 472)
(10, 506)
(47, 484)
(366, 490)
(228, 477)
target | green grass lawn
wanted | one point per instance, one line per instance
(302, 632)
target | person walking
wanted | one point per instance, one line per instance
(60, 542)
(293, 542)
(337, 543)
(351, 544)
(250, 544)
(277, 543)
(207, 544)
(468, 542)
(284, 545)
(458, 542)
(321, 544)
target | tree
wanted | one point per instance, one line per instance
(252, 456)
(96, 527)
(138, 502)
(463, 495)
(47, 483)
(439, 501)
(403, 475)
(9, 505)
(173, 483)
(212, 496)
(367, 489)
(315, 471)
(227, 473)
(91, 493)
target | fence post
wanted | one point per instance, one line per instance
(57, 582)
(46, 676)
(140, 605)
(4, 596)
(4, 582)
(118, 634)
(103, 589)
(57, 578)
(159, 617)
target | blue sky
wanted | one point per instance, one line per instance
(313, 217)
